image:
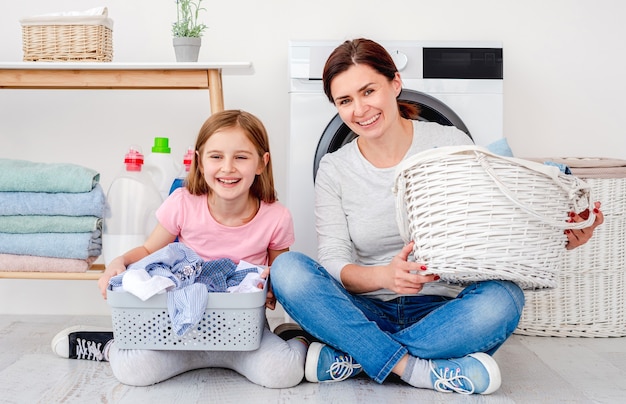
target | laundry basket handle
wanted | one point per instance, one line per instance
(481, 154)
(549, 171)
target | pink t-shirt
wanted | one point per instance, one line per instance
(188, 216)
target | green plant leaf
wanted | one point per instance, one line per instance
(187, 13)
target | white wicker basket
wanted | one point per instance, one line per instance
(590, 298)
(475, 216)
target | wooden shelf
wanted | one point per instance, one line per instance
(114, 76)
(92, 273)
(121, 76)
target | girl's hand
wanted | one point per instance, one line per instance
(114, 268)
(576, 238)
(270, 299)
(405, 276)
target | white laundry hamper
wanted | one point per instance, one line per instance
(590, 297)
(475, 216)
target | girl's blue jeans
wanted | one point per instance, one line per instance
(377, 334)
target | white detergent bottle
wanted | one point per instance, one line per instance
(162, 166)
(132, 201)
(180, 179)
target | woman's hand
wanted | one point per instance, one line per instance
(270, 299)
(114, 268)
(404, 276)
(576, 238)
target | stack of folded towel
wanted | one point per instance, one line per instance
(50, 216)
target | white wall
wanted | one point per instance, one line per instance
(563, 91)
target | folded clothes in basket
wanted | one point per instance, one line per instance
(90, 203)
(56, 245)
(27, 176)
(31, 263)
(49, 224)
(191, 279)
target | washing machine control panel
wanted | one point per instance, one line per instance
(400, 59)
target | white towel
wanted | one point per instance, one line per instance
(91, 11)
(139, 283)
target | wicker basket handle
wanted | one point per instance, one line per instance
(576, 187)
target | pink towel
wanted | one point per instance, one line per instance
(31, 263)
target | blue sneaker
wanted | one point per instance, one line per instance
(477, 373)
(325, 364)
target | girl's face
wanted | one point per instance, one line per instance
(366, 100)
(230, 162)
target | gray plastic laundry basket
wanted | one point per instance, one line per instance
(231, 322)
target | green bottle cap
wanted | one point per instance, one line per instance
(161, 145)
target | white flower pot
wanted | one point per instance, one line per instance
(187, 48)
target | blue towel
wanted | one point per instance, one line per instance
(55, 245)
(90, 203)
(27, 176)
(562, 167)
(49, 224)
(501, 148)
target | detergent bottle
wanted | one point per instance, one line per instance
(187, 160)
(132, 200)
(161, 166)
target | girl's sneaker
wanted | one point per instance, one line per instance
(326, 364)
(83, 342)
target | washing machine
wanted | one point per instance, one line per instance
(456, 83)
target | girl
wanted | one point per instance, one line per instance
(228, 209)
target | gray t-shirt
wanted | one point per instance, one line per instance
(355, 206)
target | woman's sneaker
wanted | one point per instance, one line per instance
(477, 373)
(326, 364)
(83, 342)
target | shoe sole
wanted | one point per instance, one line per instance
(287, 331)
(490, 364)
(61, 343)
(310, 364)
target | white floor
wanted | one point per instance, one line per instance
(534, 370)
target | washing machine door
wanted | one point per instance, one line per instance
(431, 109)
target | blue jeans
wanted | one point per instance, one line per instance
(377, 334)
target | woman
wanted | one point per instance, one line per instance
(365, 301)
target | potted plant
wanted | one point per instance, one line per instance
(187, 30)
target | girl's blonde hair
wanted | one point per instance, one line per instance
(263, 185)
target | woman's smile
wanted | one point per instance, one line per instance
(369, 121)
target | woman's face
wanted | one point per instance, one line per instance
(230, 162)
(366, 100)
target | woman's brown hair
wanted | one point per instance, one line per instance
(367, 52)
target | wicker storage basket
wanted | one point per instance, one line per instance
(68, 38)
(590, 298)
(475, 216)
(231, 322)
